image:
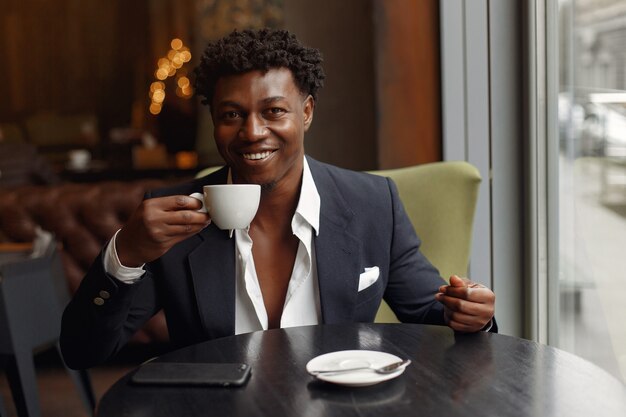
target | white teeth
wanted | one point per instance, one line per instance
(256, 156)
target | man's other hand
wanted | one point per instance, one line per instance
(468, 306)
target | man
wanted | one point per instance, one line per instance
(324, 247)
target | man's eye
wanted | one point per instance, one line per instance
(230, 115)
(276, 111)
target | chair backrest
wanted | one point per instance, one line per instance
(30, 307)
(440, 200)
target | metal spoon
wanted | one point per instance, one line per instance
(387, 369)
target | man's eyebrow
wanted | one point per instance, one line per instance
(230, 103)
(273, 99)
(268, 100)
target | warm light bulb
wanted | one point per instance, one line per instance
(176, 44)
(183, 82)
(158, 96)
(161, 73)
(167, 67)
(155, 108)
(157, 85)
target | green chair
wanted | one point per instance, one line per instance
(440, 200)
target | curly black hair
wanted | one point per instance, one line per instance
(263, 49)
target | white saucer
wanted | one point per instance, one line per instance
(351, 359)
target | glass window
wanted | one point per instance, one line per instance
(592, 181)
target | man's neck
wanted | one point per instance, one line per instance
(277, 207)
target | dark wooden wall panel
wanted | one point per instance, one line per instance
(408, 82)
(344, 127)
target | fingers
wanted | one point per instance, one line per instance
(480, 294)
(165, 225)
(157, 225)
(468, 306)
(464, 321)
(467, 290)
(177, 230)
(185, 218)
(161, 226)
(457, 281)
(172, 210)
(467, 327)
(174, 203)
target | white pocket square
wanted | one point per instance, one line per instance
(368, 277)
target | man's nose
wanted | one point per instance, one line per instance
(254, 128)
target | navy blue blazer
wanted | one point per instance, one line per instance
(362, 224)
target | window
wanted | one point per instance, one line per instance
(591, 160)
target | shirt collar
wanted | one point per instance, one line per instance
(309, 204)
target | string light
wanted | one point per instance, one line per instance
(169, 66)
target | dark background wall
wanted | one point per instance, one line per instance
(379, 108)
(70, 57)
(408, 83)
(344, 127)
(381, 105)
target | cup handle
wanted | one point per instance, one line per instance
(200, 198)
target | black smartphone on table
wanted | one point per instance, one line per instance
(193, 374)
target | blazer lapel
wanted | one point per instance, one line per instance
(212, 266)
(337, 252)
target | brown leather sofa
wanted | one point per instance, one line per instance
(82, 217)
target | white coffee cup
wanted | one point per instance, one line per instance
(231, 206)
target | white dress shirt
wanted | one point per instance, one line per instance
(302, 301)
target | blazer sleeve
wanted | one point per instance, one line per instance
(103, 315)
(95, 327)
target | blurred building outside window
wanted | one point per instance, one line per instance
(592, 181)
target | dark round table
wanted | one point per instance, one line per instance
(480, 374)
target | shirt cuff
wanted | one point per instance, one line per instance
(488, 326)
(114, 267)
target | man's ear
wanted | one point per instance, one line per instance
(308, 108)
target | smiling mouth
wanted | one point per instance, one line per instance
(257, 156)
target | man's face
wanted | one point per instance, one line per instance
(260, 120)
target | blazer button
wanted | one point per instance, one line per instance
(98, 301)
(105, 294)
